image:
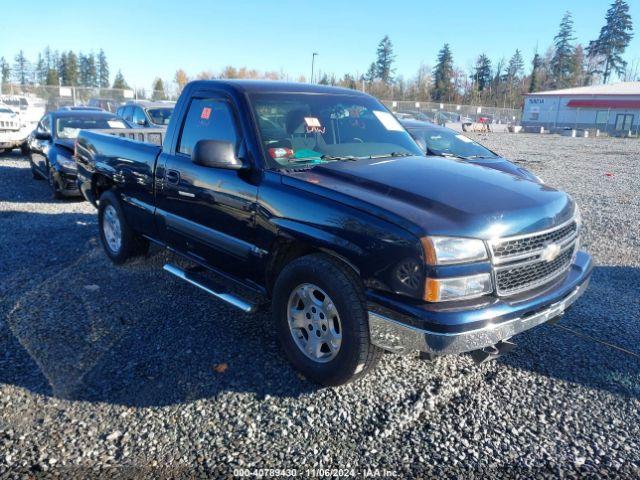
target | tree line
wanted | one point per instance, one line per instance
(501, 83)
(486, 82)
(66, 68)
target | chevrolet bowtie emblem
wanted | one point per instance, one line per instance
(550, 252)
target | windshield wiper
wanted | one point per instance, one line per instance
(392, 154)
(349, 158)
(446, 154)
(471, 157)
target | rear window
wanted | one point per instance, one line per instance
(69, 127)
(160, 116)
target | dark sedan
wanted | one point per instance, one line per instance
(52, 145)
(444, 142)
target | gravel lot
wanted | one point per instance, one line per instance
(117, 371)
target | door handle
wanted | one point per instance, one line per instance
(173, 177)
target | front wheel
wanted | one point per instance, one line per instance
(119, 241)
(56, 194)
(322, 322)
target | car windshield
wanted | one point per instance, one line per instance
(69, 127)
(299, 129)
(160, 116)
(447, 142)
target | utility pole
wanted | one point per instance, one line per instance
(313, 61)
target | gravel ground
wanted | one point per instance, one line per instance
(108, 371)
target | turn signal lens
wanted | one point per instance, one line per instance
(457, 288)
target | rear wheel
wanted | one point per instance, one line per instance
(119, 241)
(322, 322)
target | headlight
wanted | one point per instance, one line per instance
(458, 288)
(448, 250)
(66, 162)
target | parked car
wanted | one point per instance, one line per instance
(52, 146)
(317, 200)
(444, 142)
(28, 110)
(144, 114)
(10, 127)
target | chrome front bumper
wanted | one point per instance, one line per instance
(399, 338)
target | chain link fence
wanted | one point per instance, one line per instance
(442, 113)
(54, 97)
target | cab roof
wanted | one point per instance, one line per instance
(271, 86)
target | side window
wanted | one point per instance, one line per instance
(127, 113)
(138, 116)
(208, 119)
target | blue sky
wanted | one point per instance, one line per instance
(147, 38)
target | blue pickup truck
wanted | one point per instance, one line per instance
(315, 201)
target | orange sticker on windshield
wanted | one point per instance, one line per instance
(206, 113)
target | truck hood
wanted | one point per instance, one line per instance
(502, 164)
(440, 196)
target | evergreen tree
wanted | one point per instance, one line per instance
(534, 83)
(482, 73)
(578, 76)
(158, 90)
(103, 70)
(72, 69)
(40, 70)
(62, 68)
(384, 60)
(21, 68)
(515, 67)
(52, 77)
(443, 75)
(370, 76)
(88, 74)
(119, 82)
(5, 70)
(614, 39)
(561, 63)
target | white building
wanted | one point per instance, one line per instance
(613, 108)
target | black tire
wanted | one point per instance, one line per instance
(356, 355)
(56, 194)
(131, 244)
(24, 149)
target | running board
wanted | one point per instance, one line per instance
(229, 298)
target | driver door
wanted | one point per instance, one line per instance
(209, 212)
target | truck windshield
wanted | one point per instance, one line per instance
(160, 116)
(69, 127)
(310, 129)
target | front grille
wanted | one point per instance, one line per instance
(520, 263)
(511, 280)
(523, 245)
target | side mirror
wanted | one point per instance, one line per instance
(141, 121)
(42, 135)
(216, 154)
